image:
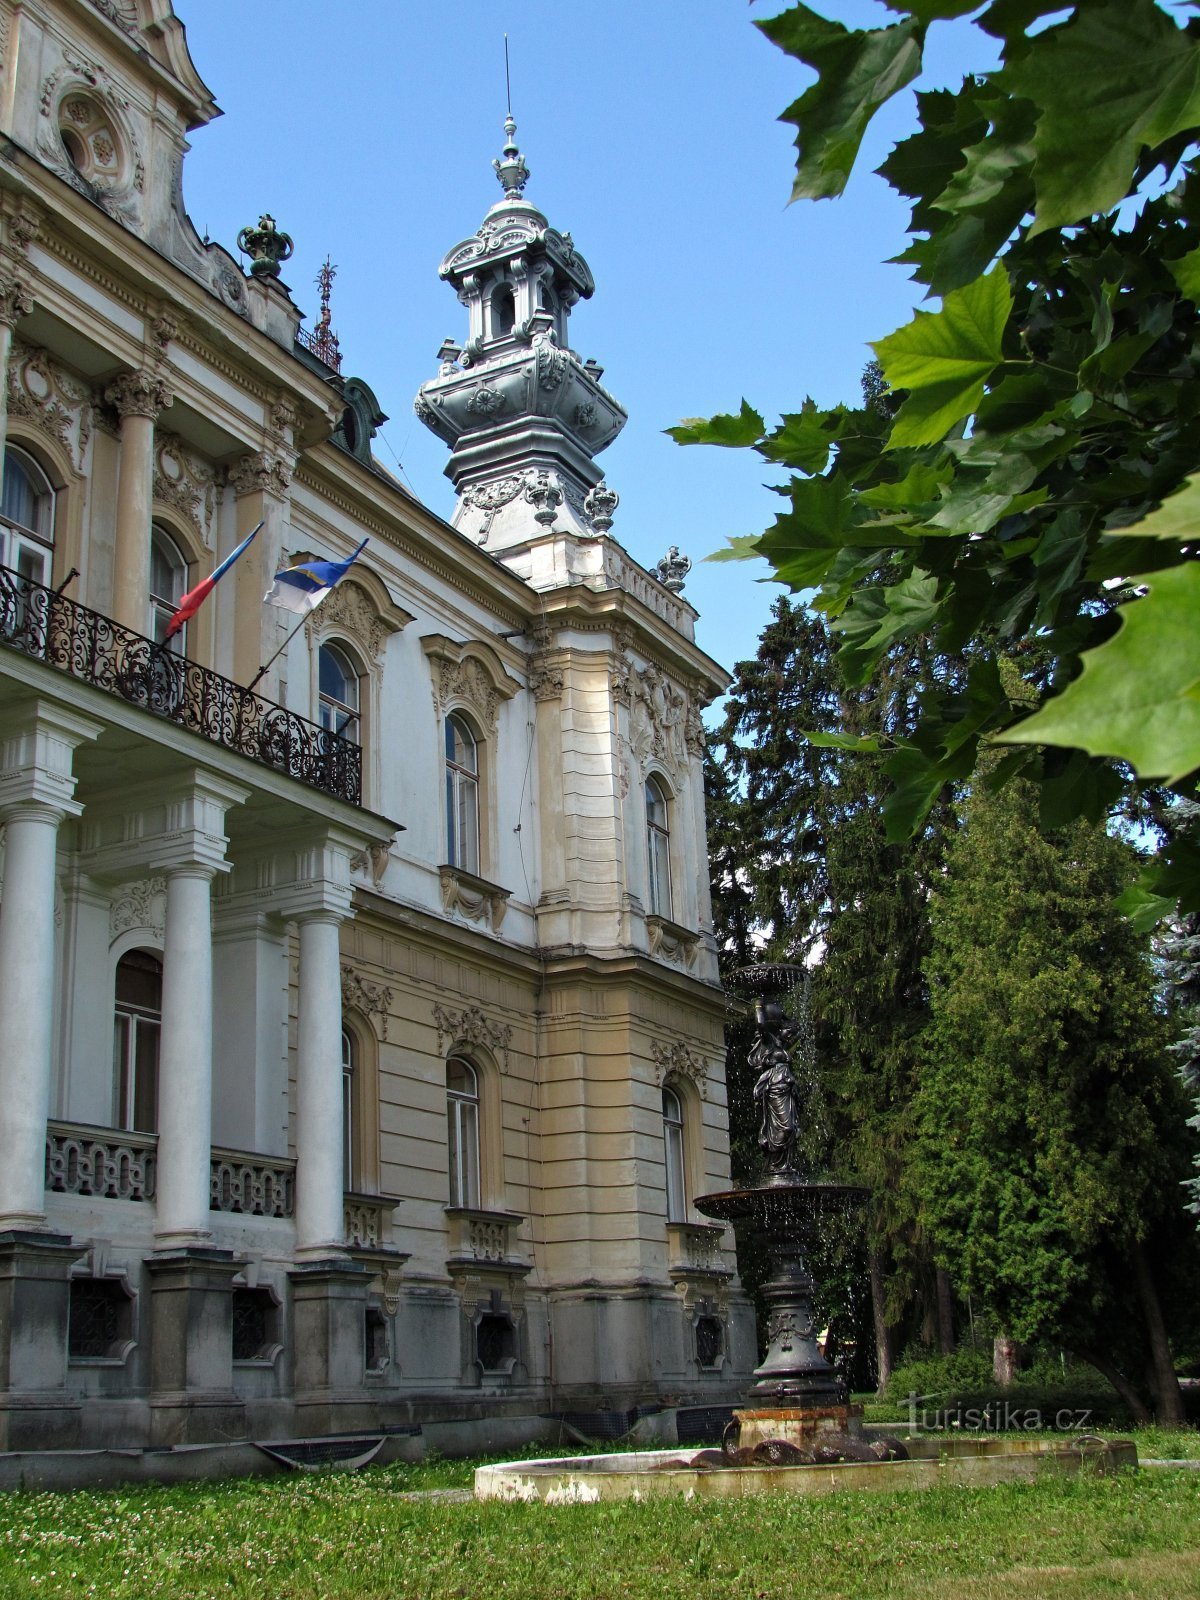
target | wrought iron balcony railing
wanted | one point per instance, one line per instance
(86, 645)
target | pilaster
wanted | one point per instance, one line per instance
(138, 398)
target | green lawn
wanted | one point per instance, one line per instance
(365, 1536)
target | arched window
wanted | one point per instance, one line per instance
(338, 681)
(676, 1167)
(27, 517)
(658, 848)
(504, 311)
(137, 1024)
(350, 1177)
(168, 583)
(462, 1129)
(462, 795)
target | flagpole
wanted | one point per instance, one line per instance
(263, 670)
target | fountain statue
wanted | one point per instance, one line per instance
(799, 1400)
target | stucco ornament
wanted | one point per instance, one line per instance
(676, 1060)
(471, 1026)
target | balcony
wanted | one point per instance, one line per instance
(111, 1164)
(46, 626)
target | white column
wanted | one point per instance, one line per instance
(26, 1009)
(185, 1060)
(319, 1206)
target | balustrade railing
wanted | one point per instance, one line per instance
(47, 626)
(105, 1162)
(695, 1247)
(365, 1220)
(254, 1185)
(482, 1235)
(114, 1165)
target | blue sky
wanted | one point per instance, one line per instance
(650, 130)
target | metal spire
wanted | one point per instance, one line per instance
(512, 171)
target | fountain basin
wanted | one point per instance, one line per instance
(653, 1474)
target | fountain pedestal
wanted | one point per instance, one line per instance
(800, 1395)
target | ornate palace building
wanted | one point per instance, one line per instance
(360, 1032)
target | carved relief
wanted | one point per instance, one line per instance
(489, 497)
(373, 861)
(16, 301)
(678, 1061)
(658, 720)
(371, 999)
(350, 609)
(470, 1026)
(122, 12)
(51, 398)
(105, 163)
(139, 905)
(185, 481)
(669, 942)
(461, 674)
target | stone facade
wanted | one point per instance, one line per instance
(381, 1136)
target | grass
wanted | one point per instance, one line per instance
(362, 1536)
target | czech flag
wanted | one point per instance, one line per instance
(303, 587)
(195, 598)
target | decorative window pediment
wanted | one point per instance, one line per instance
(361, 609)
(469, 674)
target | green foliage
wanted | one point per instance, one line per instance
(1049, 1121)
(1034, 477)
(801, 866)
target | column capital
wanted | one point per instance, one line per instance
(16, 301)
(178, 827)
(37, 749)
(261, 473)
(139, 394)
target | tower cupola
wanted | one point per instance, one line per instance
(523, 415)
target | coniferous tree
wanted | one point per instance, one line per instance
(802, 872)
(1049, 1117)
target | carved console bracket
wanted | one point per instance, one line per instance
(473, 898)
(671, 942)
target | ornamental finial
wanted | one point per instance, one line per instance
(267, 245)
(512, 171)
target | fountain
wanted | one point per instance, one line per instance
(800, 1432)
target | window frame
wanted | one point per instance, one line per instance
(328, 704)
(163, 607)
(140, 1021)
(464, 840)
(19, 539)
(659, 888)
(463, 1134)
(675, 1155)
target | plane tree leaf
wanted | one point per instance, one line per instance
(944, 358)
(858, 71)
(1117, 76)
(1138, 696)
(737, 431)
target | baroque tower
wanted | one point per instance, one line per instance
(524, 416)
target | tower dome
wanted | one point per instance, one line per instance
(523, 415)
